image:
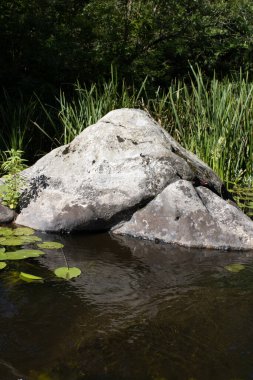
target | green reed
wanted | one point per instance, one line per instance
(16, 115)
(213, 119)
(89, 104)
(210, 117)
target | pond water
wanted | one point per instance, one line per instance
(138, 311)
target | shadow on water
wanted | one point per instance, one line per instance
(139, 310)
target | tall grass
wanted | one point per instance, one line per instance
(16, 116)
(213, 119)
(210, 117)
(86, 106)
(90, 104)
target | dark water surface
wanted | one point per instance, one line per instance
(139, 311)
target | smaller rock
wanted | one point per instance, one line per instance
(6, 214)
(191, 217)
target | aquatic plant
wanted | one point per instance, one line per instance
(20, 254)
(67, 272)
(29, 277)
(235, 267)
(50, 245)
(11, 237)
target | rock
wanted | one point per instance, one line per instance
(192, 217)
(105, 174)
(6, 214)
(127, 174)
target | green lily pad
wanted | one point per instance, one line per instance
(20, 231)
(28, 252)
(2, 265)
(12, 241)
(5, 231)
(29, 277)
(28, 239)
(50, 245)
(2, 249)
(235, 267)
(20, 254)
(67, 273)
(3, 256)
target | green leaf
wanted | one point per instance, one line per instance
(3, 256)
(20, 254)
(2, 250)
(30, 277)
(5, 231)
(29, 239)
(50, 245)
(3, 189)
(28, 252)
(2, 265)
(67, 273)
(20, 231)
(12, 241)
(235, 267)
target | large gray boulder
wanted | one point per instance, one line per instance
(115, 168)
(106, 173)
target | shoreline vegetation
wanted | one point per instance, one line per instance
(210, 117)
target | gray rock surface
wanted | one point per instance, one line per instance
(6, 214)
(110, 170)
(192, 217)
(127, 174)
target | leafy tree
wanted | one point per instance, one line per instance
(59, 41)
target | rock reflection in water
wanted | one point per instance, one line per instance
(138, 311)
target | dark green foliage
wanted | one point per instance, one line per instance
(49, 43)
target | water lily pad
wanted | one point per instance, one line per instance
(20, 254)
(29, 239)
(20, 231)
(12, 241)
(5, 231)
(30, 277)
(3, 256)
(28, 252)
(67, 273)
(2, 265)
(50, 245)
(235, 267)
(2, 249)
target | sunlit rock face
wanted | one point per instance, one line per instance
(192, 217)
(120, 166)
